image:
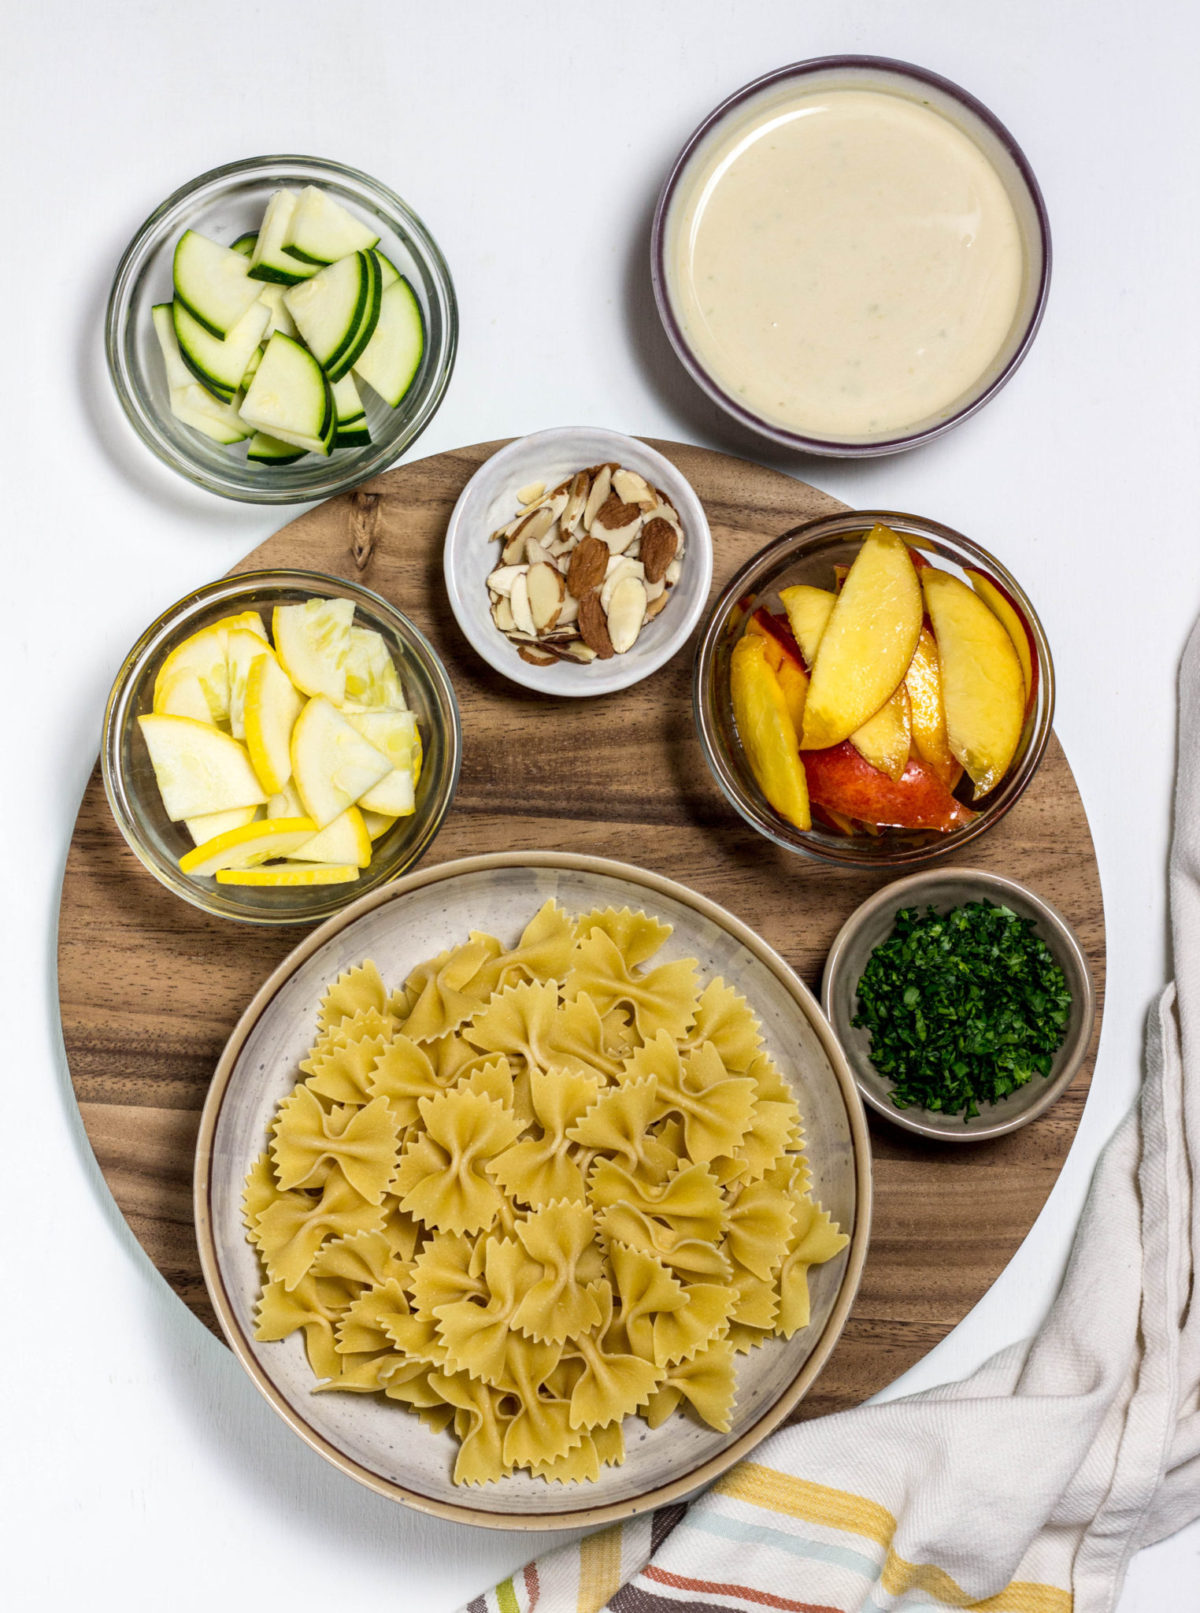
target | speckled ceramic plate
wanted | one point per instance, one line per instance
(381, 1444)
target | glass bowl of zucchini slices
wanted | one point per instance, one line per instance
(279, 743)
(281, 329)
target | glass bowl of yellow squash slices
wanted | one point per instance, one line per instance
(278, 743)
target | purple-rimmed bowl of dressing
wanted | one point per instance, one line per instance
(1004, 293)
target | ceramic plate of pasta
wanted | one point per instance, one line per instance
(533, 1190)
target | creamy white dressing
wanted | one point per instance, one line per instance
(845, 263)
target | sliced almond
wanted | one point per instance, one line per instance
(601, 488)
(514, 550)
(655, 605)
(617, 523)
(653, 589)
(569, 614)
(519, 601)
(536, 554)
(589, 560)
(579, 652)
(537, 523)
(545, 588)
(659, 543)
(577, 495)
(501, 580)
(502, 615)
(626, 613)
(533, 657)
(673, 573)
(531, 493)
(634, 489)
(593, 626)
(619, 569)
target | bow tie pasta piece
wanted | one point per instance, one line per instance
(707, 1382)
(636, 936)
(619, 1121)
(815, 1240)
(309, 1142)
(448, 990)
(353, 990)
(761, 1221)
(558, 1306)
(723, 1018)
(576, 1038)
(535, 1191)
(441, 1274)
(342, 1073)
(363, 1327)
(661, 999)
(517, 1022)
(689, 1201)
(542, 953)
(291, 1230)
(646, 1289)
(440, 1179)
(401, 1074)
(682, 1333)
(479, 1423)
(538, 1170)
(612, 1384)
(280, 1312)
(477, 1331)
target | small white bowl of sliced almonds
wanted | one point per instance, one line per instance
(278, 743)
(578, 561)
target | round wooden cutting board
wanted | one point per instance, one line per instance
(150, 987)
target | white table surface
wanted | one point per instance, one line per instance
(140, 1467)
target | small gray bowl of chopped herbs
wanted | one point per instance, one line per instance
(964, 1003)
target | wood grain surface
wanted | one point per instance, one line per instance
(150, 987)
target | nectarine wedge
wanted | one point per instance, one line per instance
(923, 680)
(885, 739)
(809, 610)
(784, 659)
(998, 598)
(983, 690)
(840, 781)
(766, 730)
(868, 643)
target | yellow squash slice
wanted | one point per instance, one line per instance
(312, 641)
(198, 768)
(345, 840)
(290, 874)
(332, 764)
(271, 708)
(254, 842)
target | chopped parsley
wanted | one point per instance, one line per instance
(963, 1007)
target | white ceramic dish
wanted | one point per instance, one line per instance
(380, 1444)
(489, 500)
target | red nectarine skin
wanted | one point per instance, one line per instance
(841, 781)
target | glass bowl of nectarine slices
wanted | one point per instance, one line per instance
(873, 688)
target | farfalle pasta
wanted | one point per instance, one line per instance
(532, 1191)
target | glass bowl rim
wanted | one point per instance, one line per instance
(843, 448)
(176, 618)
(338, 476)
(789, 546)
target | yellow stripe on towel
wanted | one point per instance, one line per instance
(815, 1503)
(599, 1569)
(855, 1514)
(1018, 1596)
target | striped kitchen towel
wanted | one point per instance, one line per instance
(1025, 1488)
